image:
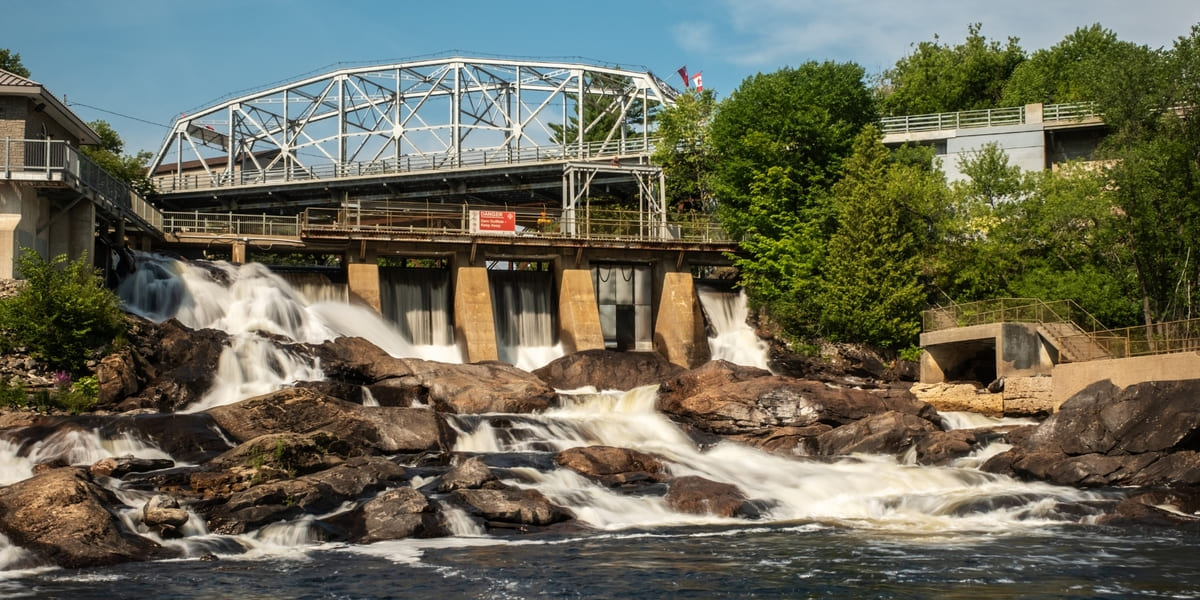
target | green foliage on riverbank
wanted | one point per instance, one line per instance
(62, 314)
(842, 238)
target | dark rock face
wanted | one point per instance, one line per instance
(62, 516)
(891, 432)
(605, 370)
(471, 474)
(464, 389)
(700, 496)
(121, 466)
(613, 466)
(372, 430)
(1147, 434)
(394, 514)
(512, 507)
(171, 364)
(762, 402)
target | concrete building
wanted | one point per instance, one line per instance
(39, 208)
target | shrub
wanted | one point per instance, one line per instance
(62, 314)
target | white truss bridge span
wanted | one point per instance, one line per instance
(429, 115)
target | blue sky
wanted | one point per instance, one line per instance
(153, 59)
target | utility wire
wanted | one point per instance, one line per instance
(118, 114)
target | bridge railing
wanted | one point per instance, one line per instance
(423, 221)
(230, 224)
(248, 174)
(57, 158)
(1010, 310)
(992, 117)
(1159, 338)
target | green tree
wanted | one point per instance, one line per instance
(938, 77)
(11, 62)
(62, 313)
(1066, 72)
(109, 156)
(871, 289)
(1152, 156)
(685, 150)
(802, 121)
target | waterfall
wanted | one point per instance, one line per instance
(245, 300)
(524, 307)
(873, 492)
(733, 340)
(316, 286)
(417, 302)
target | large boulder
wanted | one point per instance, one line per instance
(472, 474)
(754, 404)
(394, 514)
(176, 363)
(699, 496)
(285, 499)
(710, 375)
(467, 389)
(63, 517)
(605, 370)
(370, 429)
(612, 466)
(891, 432)
(1147, 434)
(512, 507)
(491, 387)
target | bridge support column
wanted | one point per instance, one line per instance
(362, 279)
(474, 325)
(238, 253)
(578, 313)
(679, 328)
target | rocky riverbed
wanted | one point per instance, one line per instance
(368, 453)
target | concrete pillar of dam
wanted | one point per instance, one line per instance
(237, 254)
(362, 281)
(679, 327)
(578, 314)
(474, 325)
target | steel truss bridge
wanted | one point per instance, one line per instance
(560, 136)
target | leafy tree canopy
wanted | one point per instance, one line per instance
(11, 62)
(938, 77)
(127, 168)
(685, 150)
(1066, 72)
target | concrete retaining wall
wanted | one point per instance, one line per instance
(1070, 378)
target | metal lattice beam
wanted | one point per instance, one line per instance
(434, 110)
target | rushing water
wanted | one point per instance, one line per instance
(861, 526)
(733, 340)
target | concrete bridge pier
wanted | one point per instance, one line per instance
(578, 313)
(679, 333)
(362, 279)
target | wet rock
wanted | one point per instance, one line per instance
(710, 375)
(357, 361)
(177, 363)
(118, 376)
(64, 517)
(1160, 508)
(891, 432)
(1146, 434)
(700, 496)
(287, 499)
(121, 466)
(768, 402)
(164, 515)
(512, 506)
(187, 437)
(284, 454)
(785, 441)
(605, 370)
(943, 447)
(471, 474)
(394, 514)
(491, 387)
(612, 466)
(371, 430)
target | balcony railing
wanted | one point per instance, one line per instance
(56, 160)
(992, 117)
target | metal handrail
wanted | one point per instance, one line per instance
(57, 157)
(1159, 338)
(990, 117)
(250, 174)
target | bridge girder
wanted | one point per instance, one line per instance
(432, 109)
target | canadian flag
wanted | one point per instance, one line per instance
(683, 74)
(698, 82)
